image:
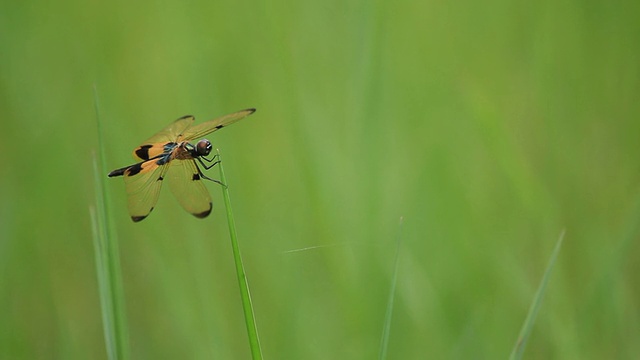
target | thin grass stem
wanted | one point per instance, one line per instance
(527, 326)
(384, 343)
(108, 260)
(252, 330)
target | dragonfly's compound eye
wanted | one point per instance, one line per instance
(203, 147)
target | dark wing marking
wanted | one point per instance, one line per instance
(188, 187)
(143, 182)
(118, 172)
(200, 130)
(150, 151)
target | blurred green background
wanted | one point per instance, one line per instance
(489, 126)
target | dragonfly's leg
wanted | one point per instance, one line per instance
(202, 175)
(207, 167)
(213, 158)
(211, 165)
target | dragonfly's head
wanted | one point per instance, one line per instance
(203, 147)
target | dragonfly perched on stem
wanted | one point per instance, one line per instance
(170, 153)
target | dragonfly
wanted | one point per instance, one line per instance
(170, 153)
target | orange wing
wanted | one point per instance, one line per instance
(186, 184)
(210, 126)
(152, 151)
(155, 145)
(143, 182)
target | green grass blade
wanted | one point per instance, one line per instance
(252, 330)
(108, 260)
(106, 306)
(518, 348)
(392, 291)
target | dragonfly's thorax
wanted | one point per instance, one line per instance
(185, 150)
